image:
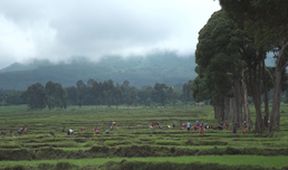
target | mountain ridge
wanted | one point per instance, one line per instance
(166, 68)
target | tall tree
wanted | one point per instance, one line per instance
(81, 88)
(220, 66)
(145, 95)
(187, 93)
(55, 95)
(267, 22)
(35, 96)
(71, 95)
(159, 94)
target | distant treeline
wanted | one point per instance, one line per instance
(92, 92)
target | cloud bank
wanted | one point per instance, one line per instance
(59, 29)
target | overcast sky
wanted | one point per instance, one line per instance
(59, 29)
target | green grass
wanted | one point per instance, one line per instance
(264, 161)
(46, 131)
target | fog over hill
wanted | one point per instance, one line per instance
(162, 67)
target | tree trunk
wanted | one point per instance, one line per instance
(237, 102)
(236, 105)
(234, 114)
(266, 99)
(227, 111)
(246, 115)
(275, 113)
(256, 85)
(219, 108)
(281, 64)
(266, 104)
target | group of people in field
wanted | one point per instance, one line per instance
(225, 125)
(197, 126)
(201, 127)
(95, 130)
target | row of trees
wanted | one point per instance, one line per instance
(52, 95)
(231, 55)
(11, 97)
(109, 93)
(92, 92)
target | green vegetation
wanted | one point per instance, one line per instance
(266, 162)
(231, 67)
(53, 95)
(131, 141)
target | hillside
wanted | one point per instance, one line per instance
(161, 67)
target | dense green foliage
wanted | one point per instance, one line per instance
(35, 96)
(217, 55)
(11, 97)
(55, 95)
(221, 69)
(108, 93)
(231, 54)
(93, 92)
(266, 23)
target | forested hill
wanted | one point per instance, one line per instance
(139, 71)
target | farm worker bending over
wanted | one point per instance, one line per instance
(183, 126)
(70, 132)
(202, 129)
(188, 125)
(112, 125)
(244, 127)
(97, 130)
(22, 130)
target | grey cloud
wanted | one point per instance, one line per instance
(58, 29)
(22, 10)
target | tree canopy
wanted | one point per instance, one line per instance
(267, 23)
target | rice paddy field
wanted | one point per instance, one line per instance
(132, 144)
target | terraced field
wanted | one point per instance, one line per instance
(132, 144)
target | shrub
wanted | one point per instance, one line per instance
(125, 165)
(64, 166)
(45, 166)
(18, 167)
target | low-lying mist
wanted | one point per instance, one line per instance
(161, 66)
